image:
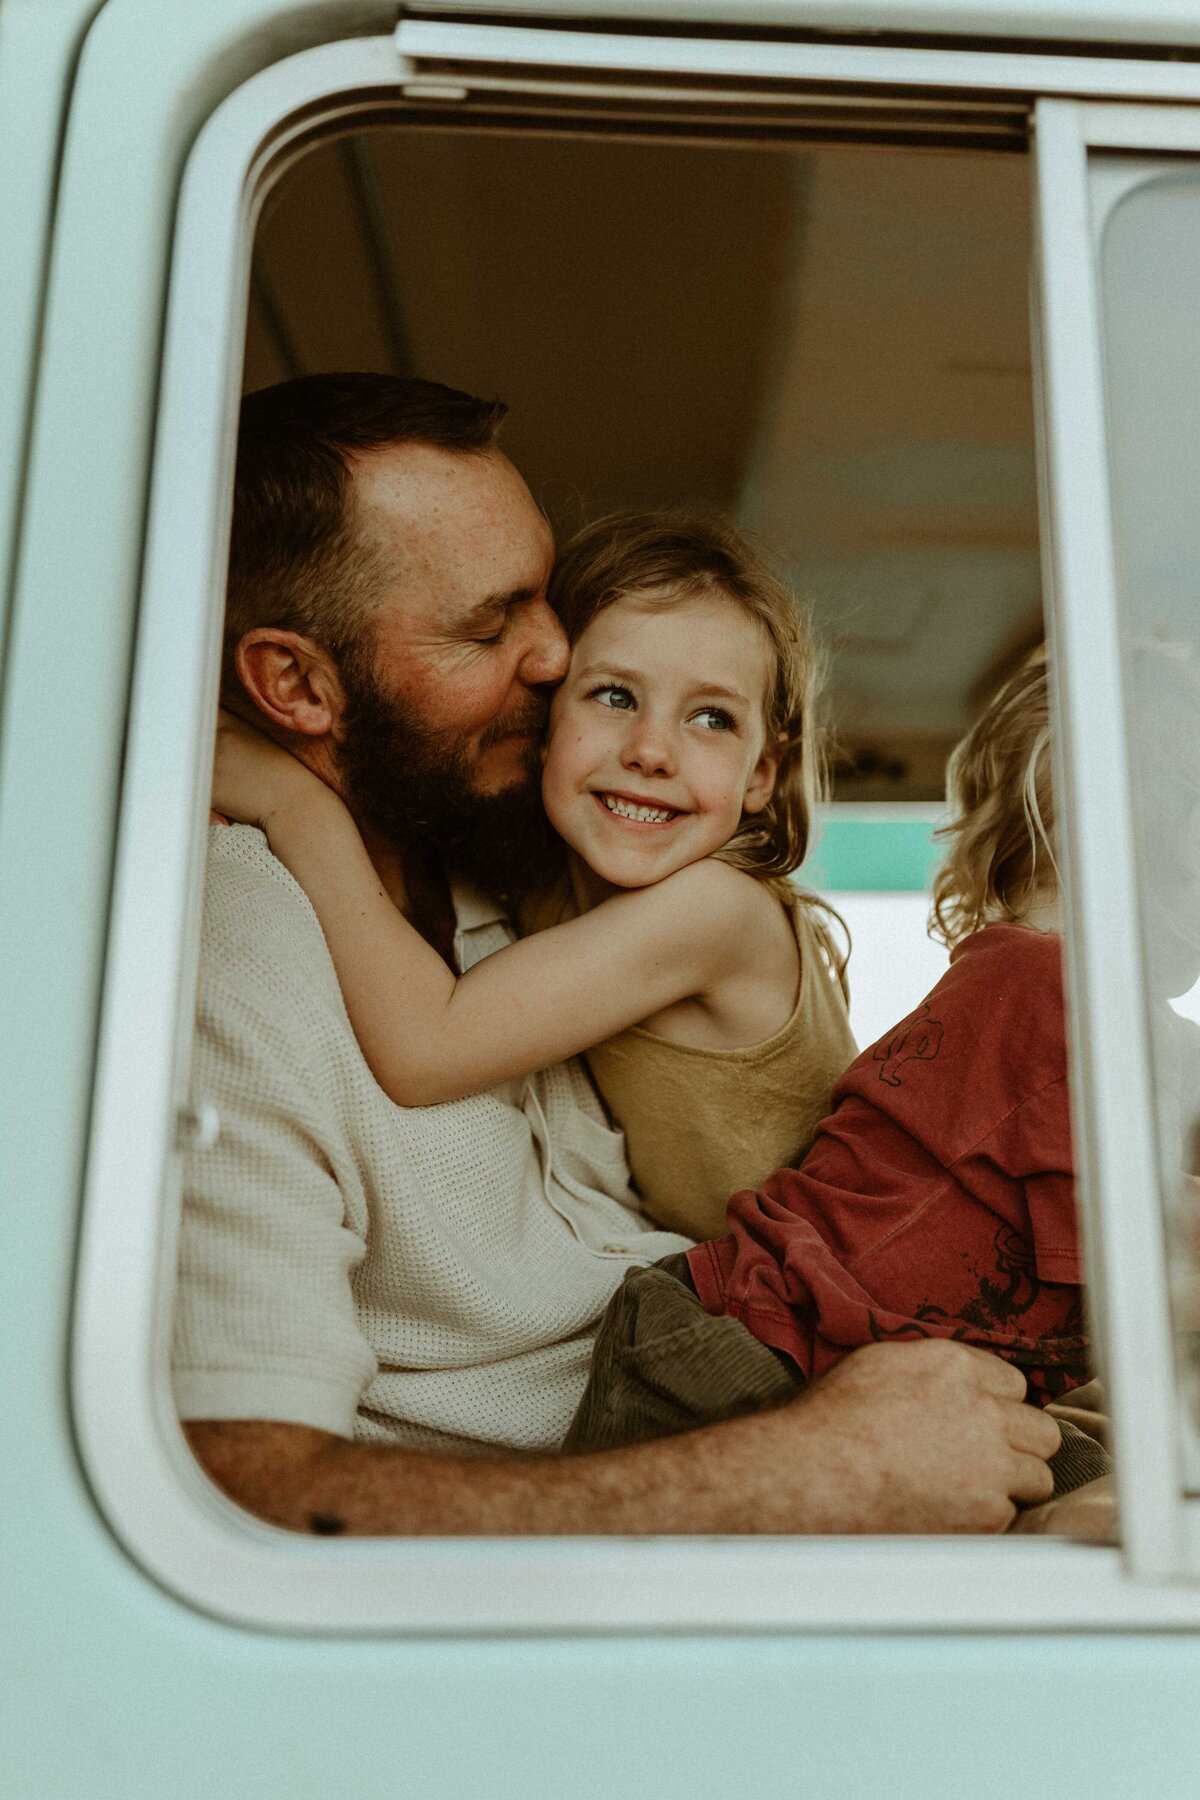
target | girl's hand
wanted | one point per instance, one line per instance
(255, 781)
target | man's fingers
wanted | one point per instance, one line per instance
(1032, 1482)
(1033, 1432)
(995, 1376)
(1094, 1424)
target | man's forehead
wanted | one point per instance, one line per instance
(452, 518)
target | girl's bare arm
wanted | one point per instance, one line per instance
(430, 1036)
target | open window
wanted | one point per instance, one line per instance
(828, 340)
(869, 510)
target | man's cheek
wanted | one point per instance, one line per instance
(508, 765)
(445, 699)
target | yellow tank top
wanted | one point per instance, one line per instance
(701, 1124)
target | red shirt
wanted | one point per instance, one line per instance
(938, 1198)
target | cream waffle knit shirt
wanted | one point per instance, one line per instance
(428, 1275)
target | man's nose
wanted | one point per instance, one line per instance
(545, 652)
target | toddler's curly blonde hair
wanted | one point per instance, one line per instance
(1001, 839)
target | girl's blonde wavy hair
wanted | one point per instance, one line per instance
(998, 782)
(661, 559)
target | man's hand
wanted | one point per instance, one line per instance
(921, 1437)
(926, 1437)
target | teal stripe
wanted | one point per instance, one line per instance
(872, 855)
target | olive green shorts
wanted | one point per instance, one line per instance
(663, 1365)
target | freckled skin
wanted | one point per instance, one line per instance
(687, 735)
(451, 531)
(930, 1436)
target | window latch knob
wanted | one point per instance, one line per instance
(197, 1127)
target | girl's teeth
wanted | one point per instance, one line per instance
(645, 815)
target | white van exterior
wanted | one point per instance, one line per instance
(159, 1641)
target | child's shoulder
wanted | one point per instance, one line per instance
(1008, 950)
(717, 888)
(1006, 980)
(730, 920)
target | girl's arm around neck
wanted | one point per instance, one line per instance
(430, 1037)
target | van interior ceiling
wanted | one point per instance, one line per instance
(829, 342)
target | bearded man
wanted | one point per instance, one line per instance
(383, 1311)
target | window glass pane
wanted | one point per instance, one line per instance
(1150, 271)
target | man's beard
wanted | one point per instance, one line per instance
(415, 787)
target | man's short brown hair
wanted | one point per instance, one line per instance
(295, 562)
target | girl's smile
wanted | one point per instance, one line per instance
(637, 812)
(656, 747)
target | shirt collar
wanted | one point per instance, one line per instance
(482, 927)
(472, 907)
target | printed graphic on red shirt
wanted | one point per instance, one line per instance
(1006, 1307)
(919, 1036)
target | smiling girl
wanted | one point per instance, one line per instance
(681, 772)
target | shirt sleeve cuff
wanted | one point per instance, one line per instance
(283, 1399)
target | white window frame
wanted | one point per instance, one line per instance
(170, 1518)
(1111, 1060)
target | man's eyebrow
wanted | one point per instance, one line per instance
(495, 603)
(706, 688)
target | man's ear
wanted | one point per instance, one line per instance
(761, 784)
(291, 680)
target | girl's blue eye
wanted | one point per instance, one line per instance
(611, 694)
(720, 719)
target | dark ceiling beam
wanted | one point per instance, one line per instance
(271, 313)
(364, 185)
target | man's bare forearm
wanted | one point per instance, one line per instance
(929, 1437)
(309, 1481)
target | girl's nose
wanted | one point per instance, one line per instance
(649, 747)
